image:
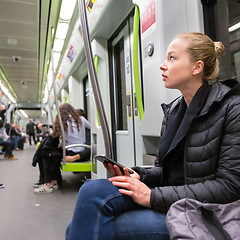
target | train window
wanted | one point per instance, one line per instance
(120, 86)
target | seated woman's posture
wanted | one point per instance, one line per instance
(198, 157)
(74, 127)
(77, 130)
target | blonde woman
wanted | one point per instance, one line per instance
(198, 157)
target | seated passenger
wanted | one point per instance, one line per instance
(50, 154)
(7, 144)
(198, 157)
(14, 134)
(74, 127)
(84, 155)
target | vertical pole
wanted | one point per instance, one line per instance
(58, 110)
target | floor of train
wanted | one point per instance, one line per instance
(25, 215)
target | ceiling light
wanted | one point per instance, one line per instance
(12, 41)
(58, 45)
(62, 29)
(67, 9)
(234, 27)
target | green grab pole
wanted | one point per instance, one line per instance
(96, 67)
(135, 62)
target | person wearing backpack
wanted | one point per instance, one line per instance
(198, 157)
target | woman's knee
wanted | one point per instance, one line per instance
(96, 188)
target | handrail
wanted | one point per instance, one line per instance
(135, 63)
(93, 78)
(58, 110)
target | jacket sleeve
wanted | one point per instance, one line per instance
(224, 188)
(150, 176)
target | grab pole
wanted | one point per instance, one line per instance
(58, 110)
(93, 78)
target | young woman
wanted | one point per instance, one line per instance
(198, 157)
(74, 127)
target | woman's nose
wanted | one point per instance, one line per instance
(163, 67)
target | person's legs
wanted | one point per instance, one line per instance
(141, 225)
(29, 138)
(98, 204)
(9, 147)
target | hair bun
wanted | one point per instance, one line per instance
(219, 48)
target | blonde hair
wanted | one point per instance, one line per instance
(201, 47)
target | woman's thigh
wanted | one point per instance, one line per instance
(143, 224)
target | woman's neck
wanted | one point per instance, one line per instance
(189, 92)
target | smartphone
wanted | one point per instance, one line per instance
(103, 159)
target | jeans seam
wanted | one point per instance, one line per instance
(110, 197)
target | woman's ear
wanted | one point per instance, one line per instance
(198, 67)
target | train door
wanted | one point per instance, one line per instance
(124, 112)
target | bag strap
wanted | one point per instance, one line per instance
(213, 225)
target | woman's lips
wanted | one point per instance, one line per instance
(164, 77)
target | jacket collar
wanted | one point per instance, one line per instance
(219, 91)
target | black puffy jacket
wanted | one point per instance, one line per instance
(211, 154)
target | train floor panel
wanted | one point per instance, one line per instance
(25, 215)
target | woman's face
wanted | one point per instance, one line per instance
(177, 68)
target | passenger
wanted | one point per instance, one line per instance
(38, 132)
(7, 144)
(4, 138)
(48, 156)
(14, 135)
(22, 138)
(30, 129)
(84, 154)
(198, 157)
(38, 159)
(74, 127)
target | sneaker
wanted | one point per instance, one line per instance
(55, 186)
(38, 184)
(11, 157)
(43, 189)
(6, 155)
(2, 185)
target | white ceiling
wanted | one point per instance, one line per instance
(27, 22)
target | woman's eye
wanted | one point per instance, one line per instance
(171, 58)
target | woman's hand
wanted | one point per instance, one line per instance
(115, 171)
(134, 188)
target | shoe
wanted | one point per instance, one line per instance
(43, 189)
(2, 185)
(6, 155)
(16, 149)
(55, 186)
(12, 157)
(38, 184)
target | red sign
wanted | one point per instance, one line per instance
(71, 53)
(148, 18)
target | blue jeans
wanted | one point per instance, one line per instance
(8, 145)
(15, 140)
(103, 213)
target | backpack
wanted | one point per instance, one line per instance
(191, 219)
